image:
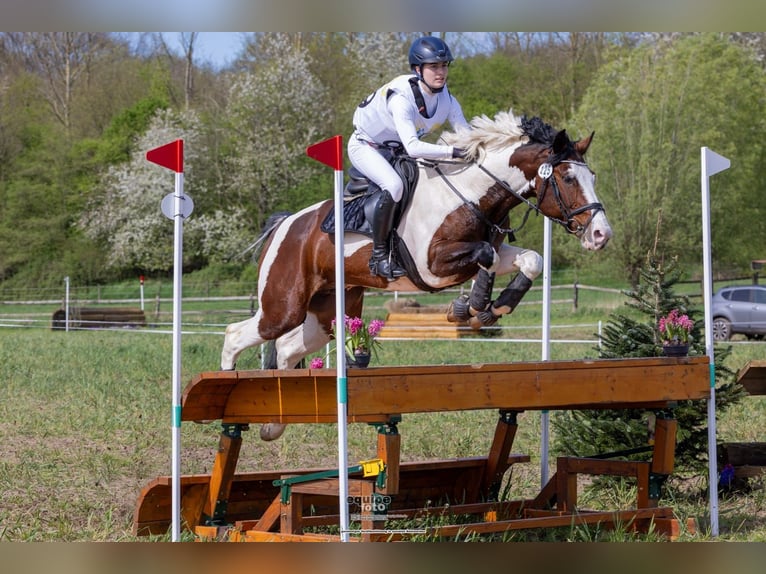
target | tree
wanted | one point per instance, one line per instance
(63, 60)
(653, 109)
(274, 113)
(127, 219)
(590, 432)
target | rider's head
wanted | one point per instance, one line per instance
(429, 59)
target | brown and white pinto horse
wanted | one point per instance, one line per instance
(453, 230)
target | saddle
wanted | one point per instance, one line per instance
(360, 196)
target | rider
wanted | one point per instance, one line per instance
(402, 111)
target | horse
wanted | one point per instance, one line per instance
(452, 230)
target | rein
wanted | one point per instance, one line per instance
(471, 205)
(566, 223)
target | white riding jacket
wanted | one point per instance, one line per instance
(391, 114)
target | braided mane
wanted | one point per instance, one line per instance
(537, 130)
(503, 130)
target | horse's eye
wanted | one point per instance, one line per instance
(569, 179)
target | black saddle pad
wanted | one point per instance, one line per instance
(355, 216)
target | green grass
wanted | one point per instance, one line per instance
(85, 423)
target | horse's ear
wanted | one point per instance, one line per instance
(582, 145)
(560, 142)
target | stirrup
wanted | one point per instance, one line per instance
(382, 268)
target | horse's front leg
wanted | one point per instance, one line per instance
(476, 308)
(528, 265)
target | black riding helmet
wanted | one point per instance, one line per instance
(428, 50)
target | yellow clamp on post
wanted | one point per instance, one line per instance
(372, 467)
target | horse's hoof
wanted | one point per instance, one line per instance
(483, 319)
(459, 310)
(272, 431)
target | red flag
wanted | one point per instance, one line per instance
(329, 152)
(169, 155)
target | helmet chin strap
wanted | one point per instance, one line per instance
(426, 84)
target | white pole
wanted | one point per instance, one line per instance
(340, 357)
(546, 346)
(712, 163)
(66, 304)
(177, 274)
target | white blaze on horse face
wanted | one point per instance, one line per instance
(598, 232)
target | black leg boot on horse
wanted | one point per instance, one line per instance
(467, 306)
(382, 263)
(504, 304)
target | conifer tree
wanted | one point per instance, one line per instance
(590, 432)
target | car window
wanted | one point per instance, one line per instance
(741, 295)
(760, 295)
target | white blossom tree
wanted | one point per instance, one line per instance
(127, 219)
(275, 111)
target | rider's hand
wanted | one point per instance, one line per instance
(459, 153)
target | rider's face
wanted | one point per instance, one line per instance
(435, 75)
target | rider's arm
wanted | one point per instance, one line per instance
(404, 114)
(456, 117)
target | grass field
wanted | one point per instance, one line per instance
(85, 423)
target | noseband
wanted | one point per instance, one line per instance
(568, 221)
(545, 171)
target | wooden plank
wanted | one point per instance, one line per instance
(251, 493)
(553, 521)
(258, 536)
(753, 377)
(664, 452)
(205, 398)
(744, 453)
(309, 396)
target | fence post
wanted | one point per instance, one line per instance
(252, 304)
(157, 308)
(575, 295)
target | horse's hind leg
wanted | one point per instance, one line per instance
(309, 337)
(291, 347)
(237, 338)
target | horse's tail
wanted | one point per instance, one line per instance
(270, 356)
(268, 228)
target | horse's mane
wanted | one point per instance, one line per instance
(503, 130)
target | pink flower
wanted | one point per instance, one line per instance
(375, 326)
(675, 328)
(317, 363)
(361, 337)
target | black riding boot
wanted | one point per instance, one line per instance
(381, 262)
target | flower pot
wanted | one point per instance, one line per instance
(679, 350)
(360, 360)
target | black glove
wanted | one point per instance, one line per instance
(459, 153)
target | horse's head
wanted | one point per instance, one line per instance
(565, 187)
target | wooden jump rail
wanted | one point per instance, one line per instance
(250, 507)
(422, 323)
(747, 458)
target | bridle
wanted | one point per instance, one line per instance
(546, 173)
(568, 221)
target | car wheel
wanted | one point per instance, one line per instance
(721, 329)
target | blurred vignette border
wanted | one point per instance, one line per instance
(408, 15)
(379, 558)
